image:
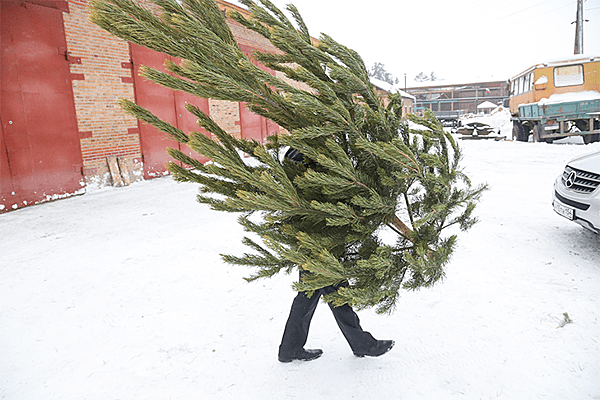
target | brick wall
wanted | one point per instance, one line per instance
(105, 130)
(101, 66)
(227, 115)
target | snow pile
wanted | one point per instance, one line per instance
(498, 119)
(121, 294)
(487, 105)
(585, 95)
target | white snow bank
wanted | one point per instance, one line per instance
(487, 104)
(498, 119)
(568, 97)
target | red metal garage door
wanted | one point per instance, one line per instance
(40, 153)
(166, 104)
(186, 121)
(254, 126)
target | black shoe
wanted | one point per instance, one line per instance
(302, 355)
(380, 348)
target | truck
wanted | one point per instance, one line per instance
(556, 99)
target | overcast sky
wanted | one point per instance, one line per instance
(456, 39)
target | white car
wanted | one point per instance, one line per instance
(576, 193)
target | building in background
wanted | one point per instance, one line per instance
(383, 88)
(450, 100)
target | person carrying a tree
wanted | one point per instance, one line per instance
(362, 217)
(303, 307)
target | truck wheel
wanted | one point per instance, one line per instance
(538, 131)
(594, 137)
(520, 132)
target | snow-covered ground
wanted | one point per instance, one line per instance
(121, 294)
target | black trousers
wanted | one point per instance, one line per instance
(298, 324)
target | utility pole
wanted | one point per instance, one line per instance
(579, 28)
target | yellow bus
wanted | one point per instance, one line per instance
(556, 82)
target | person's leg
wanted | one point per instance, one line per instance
(296, 329)
(298, 323)
(361, 342)
(349, 323)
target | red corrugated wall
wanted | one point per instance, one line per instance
(165, 103)
(43, 146)
(40, 154)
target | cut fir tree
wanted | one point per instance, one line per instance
(364, 172)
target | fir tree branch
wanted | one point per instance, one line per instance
(401, 226)
(362, 162)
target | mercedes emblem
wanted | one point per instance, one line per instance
(571, 179)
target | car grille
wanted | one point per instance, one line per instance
(584, 182)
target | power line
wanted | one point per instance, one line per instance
(556, 9)
(498, 5)
(536, 16)
(528, 8)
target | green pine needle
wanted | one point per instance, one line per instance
(363, 167)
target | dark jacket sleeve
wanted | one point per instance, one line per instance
(294, 155)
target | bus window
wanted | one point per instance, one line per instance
(521, 84)
(569, 75)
